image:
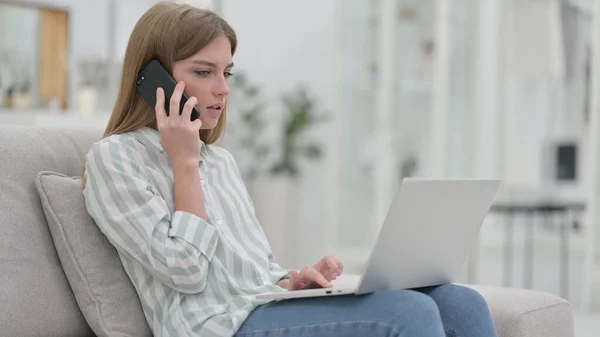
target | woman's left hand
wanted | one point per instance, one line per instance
(318, 275)
(330, 267)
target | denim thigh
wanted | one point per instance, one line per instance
(463, 310)
(383, 313)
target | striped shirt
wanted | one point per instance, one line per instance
(193, 277)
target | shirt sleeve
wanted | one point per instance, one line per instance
(276, 272)
(176, 248)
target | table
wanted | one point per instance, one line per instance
(567, 211)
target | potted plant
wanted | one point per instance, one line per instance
(300, 115)
(276, 191)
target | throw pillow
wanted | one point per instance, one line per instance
(101, 286)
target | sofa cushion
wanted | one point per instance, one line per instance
(516, 312)
(35, 297)
(520, 312)
(101, 286)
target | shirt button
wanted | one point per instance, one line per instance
(219, 221)
(202, 182)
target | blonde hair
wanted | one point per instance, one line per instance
(168, 32)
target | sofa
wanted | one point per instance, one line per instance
(60, 277)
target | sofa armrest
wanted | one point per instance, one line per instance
(528, 313)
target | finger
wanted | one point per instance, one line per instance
(318, 278)
(332, 262)
(188, 107)
(197, 124)
(294, 280)
(335, 262)
(175, 99)
(338, 265)
(341, 267)
(332, 270)
(159, 108)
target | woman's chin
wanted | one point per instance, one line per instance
(209, 124)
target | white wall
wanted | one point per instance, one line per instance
(62, 4)
(88, 28)
(283, 44)
(127, 15)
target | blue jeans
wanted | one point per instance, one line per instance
(447, 310)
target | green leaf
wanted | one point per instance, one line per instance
(262, 151)
(313, 151)
(252, 91)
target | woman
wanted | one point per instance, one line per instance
(174, 206)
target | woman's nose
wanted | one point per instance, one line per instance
(222, 88)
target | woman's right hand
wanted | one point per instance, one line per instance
(179, 136)
(307, 278)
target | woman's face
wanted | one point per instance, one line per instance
(205, 75)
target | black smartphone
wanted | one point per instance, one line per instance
(153, 76)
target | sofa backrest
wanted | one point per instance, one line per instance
(35, 296)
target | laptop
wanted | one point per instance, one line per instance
(430, 229)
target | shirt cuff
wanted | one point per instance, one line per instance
(193, 229)
(279, 275)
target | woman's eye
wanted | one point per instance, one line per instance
(228, 74)
(203, 72)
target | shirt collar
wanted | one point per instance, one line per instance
(151, 138)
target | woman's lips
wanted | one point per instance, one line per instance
(214, 112)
